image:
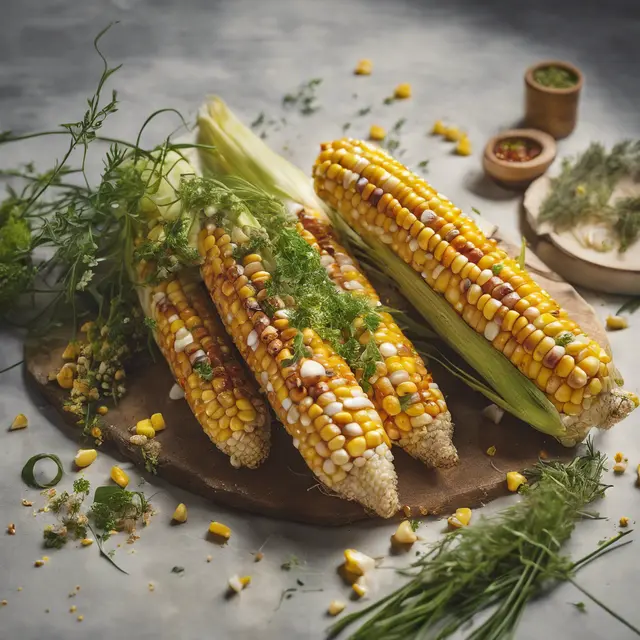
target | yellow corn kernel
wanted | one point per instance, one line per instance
(615, 323)
(624, 521)
(461, 518)
(491, 451)
(219, 529)
(119, 476)
(19, 422)
(463, 148)
(86, 542)
(71, 351)
(515, 480)
(619, 457)
(336, 607)
(359, 587)
(620, 467)
(402, 91)
(102, 410)
(357, 563)
(364, 67)
(237, 584)
(180, 514)
(404, 534)
(66, 375)
(439, 128)
(85, 457)
(453, 134)
(145, 428)
(376, 132)
(157, 422)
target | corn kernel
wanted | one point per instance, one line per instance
(180, 514)
(615, 323)
(624, 521)
(86, 542)
(364, 67)
(19, 422)
(66, 375)
(359, 587)
(102, 410)
(157, 422)
(404, 534)
(618, 457)
(463, 148)
(515, 480)
(71, 351)
(145, 428)
(376, 132)
(357, 563)
(402, 91)
(336, 607)
(453, 134)
(119, 476)
(85, 457)
(237, 584)
(439, 128)
(219, 529)
(460, 518)
(620, 467)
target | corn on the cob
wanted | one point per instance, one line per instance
(411, 405)
(188, 333)
(333, 423)
(498, 299)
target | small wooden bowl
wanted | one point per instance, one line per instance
(549, 109)
(519, 174)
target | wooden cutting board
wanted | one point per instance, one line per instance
(283, 487)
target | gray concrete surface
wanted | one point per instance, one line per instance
(465, 60)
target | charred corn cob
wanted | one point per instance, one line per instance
(332, 422)
(380, 197)
(411, 405)
(196, 346)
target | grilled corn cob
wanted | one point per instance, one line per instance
(332, 422)
(411, 405)
(196, 346)
(380, 197)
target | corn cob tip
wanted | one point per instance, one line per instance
(607, 410)
(432, 444)
(373, 485)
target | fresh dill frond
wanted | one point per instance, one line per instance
(501, 562)
(564, 338)
(204, 370)
(150, 323)
(415, 525)
(299, 350)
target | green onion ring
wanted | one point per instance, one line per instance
(29, 477)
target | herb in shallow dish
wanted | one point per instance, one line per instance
(555, 77)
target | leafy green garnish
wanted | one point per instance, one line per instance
(305, 98)
(415, 525)
(476, 211)
(564, 338)
(115, 508)
(292, 562)
(204, 370)
(629, 306)
(28, 471)
(299, 350)
(405, 402)
(555, 77)
(580, 606)
(497, 268)
(150, 323)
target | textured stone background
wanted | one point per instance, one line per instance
(465, 60)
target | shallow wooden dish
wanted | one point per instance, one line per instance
(519, 174)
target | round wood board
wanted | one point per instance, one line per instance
(283, 487)
(610, 271)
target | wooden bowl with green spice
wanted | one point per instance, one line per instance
(516, 157)
(552, 93)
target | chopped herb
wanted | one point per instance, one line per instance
(258, 121)
(564, 338)
(497, 268)
(415, 525)
(299, 350)
(299, 582)
(555, 76)
(346, 126)
(364, 111)
(629, 306)
(305, 98)
(405, 402)
(389, 100)
(150, 458)
(117, 509)
(204, 370)
(580, 606)
(150, 323)
(177, 570)
(398, 125)
(476, 211)
(292, 562)
(423, 164)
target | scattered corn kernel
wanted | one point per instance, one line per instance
(11, 529)
(66, 375)
(38, 563)
(85, 457)
(71, 351)
(145, 428)
(180, 514)
(219, 529)
(615, 323)
(515, 480)
(376, 132)
(357, 563)
(19, 422)
(86, 542)
(461, 518)
(237, 584)
(618, 457)
(620, 467)
(491, 451)
(406, 509)
(157, 422)
(463, 148)
(19, 589)
(404, 534)
(364, 67)
(439, 128)
(72, 608)
(26, 503)
(402, 91)
(360, 587)
(624, 521)
(336, 607)
(102, 410)
(453, 134)
(119, 476)
(80, 618)
(152, 587)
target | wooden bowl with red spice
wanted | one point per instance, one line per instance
(518, 156)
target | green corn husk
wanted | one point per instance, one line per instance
(241, 153)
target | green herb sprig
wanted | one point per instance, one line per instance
(501, 562)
